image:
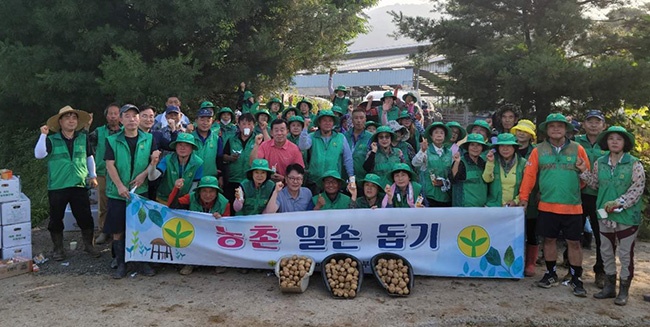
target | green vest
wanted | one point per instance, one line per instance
(392, 114)
(404, 146)
(359, 151)
(100, 164)
(227, 131)
(362, 202)
(612, 184)
(173, 173)
(559, 179)
(325, 156)
(123, 162)
(440, 166)
(305, 156)
(593, 152)
(237, 169)
(248, 107)
(219, 205)
(258, 129)
(495, 193)
(255, 200)
(64, 170)
(341, 201)
(472, 192)
(384, 163)
(208, 152)
(417, 189)
(342, 102)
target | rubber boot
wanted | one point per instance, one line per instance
(120, 272)
(87, 235)
(531, 257)
(624, 287)
(102, 238)
(609, 289)
(600, 279)
(57, 240)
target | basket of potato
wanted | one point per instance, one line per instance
(342, 274)
(394, 273)
(293, 272)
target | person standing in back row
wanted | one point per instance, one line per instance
(552, 164)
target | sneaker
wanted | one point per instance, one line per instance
(549, 280)
(578, 289)
(186, 270)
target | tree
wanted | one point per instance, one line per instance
(530, 53)
(90, 53)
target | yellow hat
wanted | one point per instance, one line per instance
(525, 126)
(82, 117)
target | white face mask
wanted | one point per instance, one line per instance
(226, 122)
(247, 131)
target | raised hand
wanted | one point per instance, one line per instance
(490, 156)
(45, 130)
(373, 147)
(424, 145)
(581, 165)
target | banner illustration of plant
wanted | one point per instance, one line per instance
(493, 265)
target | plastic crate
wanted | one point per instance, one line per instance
(304, 282)
(388, 256)
(341, 256)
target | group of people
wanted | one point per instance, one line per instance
(272, 159)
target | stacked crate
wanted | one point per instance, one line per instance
(70, 223)
(15, 220)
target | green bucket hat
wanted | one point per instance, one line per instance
(410, 94)
(334, 174)
(275, 100)
(338, 109)
(474, 138)
(290, 108)
(248, 95)
(298, 119)
(629, 138)
(326, 113)
(304, 100)
(506, 139)
(260, 164)
(209, 182)
(404, 114)
(402, 167)
(224, 110)
(372, 123)
(262, 112)
(374, 179)
(430, 128)
(479, 123)
(555, 117)
(206, 104)
(383, 129)
(341, 88)
(388, 94)
(184, 138)
(463, 132)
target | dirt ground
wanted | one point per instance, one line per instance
(83, 294)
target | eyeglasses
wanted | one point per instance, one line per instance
(295, 179)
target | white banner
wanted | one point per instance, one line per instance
(462, 242)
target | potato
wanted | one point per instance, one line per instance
(343, 278)
(394, 275)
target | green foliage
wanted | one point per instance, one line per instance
(538, 55)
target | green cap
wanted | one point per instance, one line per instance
(555, 117)
(474, 138)
(374, 179)
(341, 88)
(224, 110)
(334, 174)
(388, 94)
(248, 95)
(506, 139)
(209, 182)
(383, 129)
(206, 104)
(401, 167)
(304, 100)
(404, 114)
(629, 138)
(479, 123)
(262, 112)
(338, 109)
(298, 119)
(259, 164)
(410, 94)
(184, 138)
(430, 128)
(372, 123)
(275, 100)
(290, 108)
(462, 131)
(326, 113)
